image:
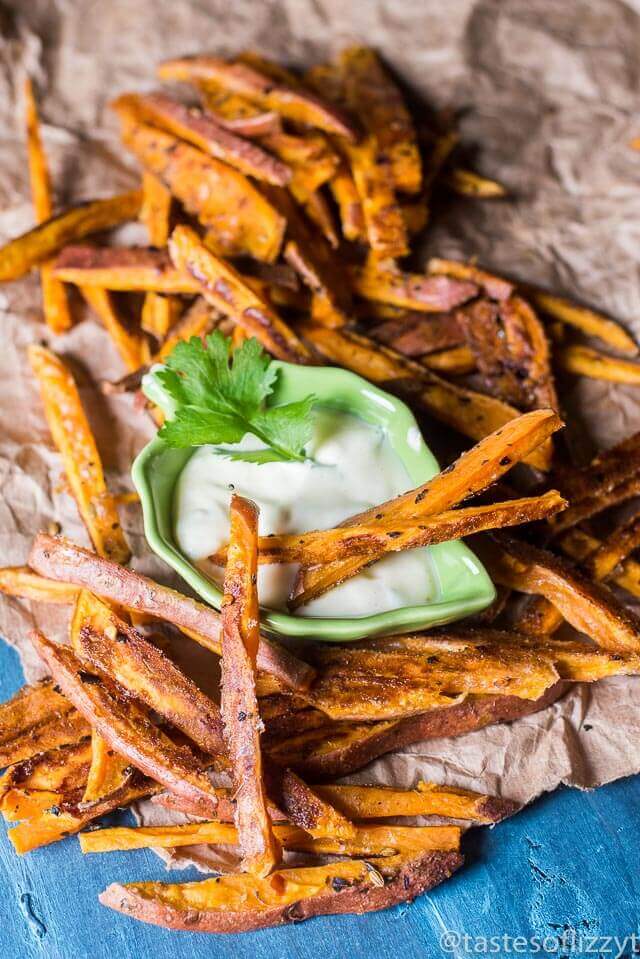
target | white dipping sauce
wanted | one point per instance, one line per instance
(352, 466)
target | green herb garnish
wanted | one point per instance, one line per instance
(219, 397)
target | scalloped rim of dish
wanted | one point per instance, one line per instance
(464, 585)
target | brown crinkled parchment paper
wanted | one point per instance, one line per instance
(549, 93)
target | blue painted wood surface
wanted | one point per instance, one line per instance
(569, 862)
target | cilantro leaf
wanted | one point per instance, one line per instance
(219, 396)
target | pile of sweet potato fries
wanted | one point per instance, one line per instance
(280, 208)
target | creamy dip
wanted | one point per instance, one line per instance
(351, 467)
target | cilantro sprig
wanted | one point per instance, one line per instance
(219, 396)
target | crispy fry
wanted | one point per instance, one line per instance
(55, 305)
(72, 436)
(61, 560)
(310, 158)
(456, 361)
(202, 131)
(37, 718)
(367, 840)
(585, 320)
(319, 212)
(132, 347)
(31, 249)
(122, 269)
(237, 114)
(155, 212)
(295, 103)
(225, 289)
(377, 100)
(585, 361)
(388, 536)
(103, 639)
(198, 320)
(305, 807)
(495, 287)
(220, 197)
(419, 334)
(383, 220)
(62, 771)
(126, 727)
(412, 291)
(20, 581)
(469, 183)
(239, 703)
(159, 314)
(472, 472)
(589, 607)
(345, 193)
(472, 414)
(242, 903)
(427, 799)
(108, 772)
(578, 545)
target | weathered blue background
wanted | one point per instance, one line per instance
(568, 862)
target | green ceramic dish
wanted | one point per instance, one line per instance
(464, 586)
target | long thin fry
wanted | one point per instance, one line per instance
(55, 305)
(137, 269)
(585, 320)
(426, 799)
(472, 472)
(239, 703)
(156, 210)
(496, 287)
(73, 437)
(159, 314)
(578, 545)
(21, 582)
(388, 536)
(61, 560)
(225, 289)
(411, 291)
(585, 361)
(31, 249)
(132, 347)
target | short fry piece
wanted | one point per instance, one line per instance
(21, 582)
(108, 772)
(202, 131)
(239, 703)
(494, 286)
(309, 157)
(20, 255)
(585, 361)
(61, 560)
(293, 102)
(411, 291)
(55, 305)
(222, 198)
(159, 314)
(225, 289)
(469, 183)
(585, 320)
(155, 212)
(72, 436)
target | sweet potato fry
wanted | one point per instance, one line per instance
(126, 727)
(587, 321)
(589, 607)
(225, 289)
(579, 545)
(310, 158)
(418, 334)
(384, 223)
(367, 840)
(386, 536)
(390, 680)
(72, 436)
(303, 806)
(202, 131)
(345, 193)
(293, 102)
(469, 183)
(132, 347)
(198, 320)
(55, 305)
(31, 249)
(159, 314)
(412, 291)
(472, 414)
(155, 212)
(585, 361)
(337, 749)
(376, 99)
(456, 361)
(319, 212)
(472, 472)
(37, 718)
(243, 903)
(21, 582)
(63, 561)
(137, 269)
(111, 646)
(427, 799)
(108, 772)
(237, 114)
(239, 703)
(495, 287)
(220, 197)
(61, 772)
